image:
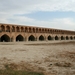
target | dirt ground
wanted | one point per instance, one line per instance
(51, 58)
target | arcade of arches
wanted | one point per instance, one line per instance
(13, 33)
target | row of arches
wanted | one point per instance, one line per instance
(25, 29)
(6, 38)
(12, 28)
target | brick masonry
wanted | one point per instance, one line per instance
(14, 33)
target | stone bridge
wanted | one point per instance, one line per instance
(14, 33)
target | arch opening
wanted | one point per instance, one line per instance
(19, 38)
(49, 38)
(31, 38)
(71, 38)
(30, 30)
(36, 30)
(74, 37)
(41, 38)
(56, 38)
(67, 38)
(7, 28)
(22, 29)
(26, 29)
(17, 29)
(2, 28)
(62, 38)
(5, 38)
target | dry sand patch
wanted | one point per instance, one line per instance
(52, 59)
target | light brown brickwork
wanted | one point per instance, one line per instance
(12, 33)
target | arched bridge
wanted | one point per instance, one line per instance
(14, 33)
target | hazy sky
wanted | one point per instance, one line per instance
(46, 13)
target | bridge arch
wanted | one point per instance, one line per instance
(67, 38)
(41, 38)
(2, 28)
(49, 37)
(31, 38)
(62, 38)
(18, 29)
(22, 29)
(19, 38)
(5, 38)
(7, 28)
(56, 38)
(37, 30)
(74, 37)
(34, 30)
(71, 38)
(26, 29)
(30, 29)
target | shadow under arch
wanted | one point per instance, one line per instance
(71, 38)
(31, 38)
(49, 37)
(62, 38)
(67, 38)
(7, 28)
(19, 38)
(2, 28)
(74, 37)
(5, 38)
(41, 38)
(56, 38)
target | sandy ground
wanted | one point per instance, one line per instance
(51, 58)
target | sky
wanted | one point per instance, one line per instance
(58, 14)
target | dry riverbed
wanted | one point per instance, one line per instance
(50, 58)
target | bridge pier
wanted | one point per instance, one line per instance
(45, 39)
(37, 39)
(59, 38)
(26, 39)
(14, 40)
(54, 38)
